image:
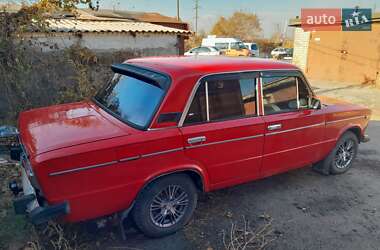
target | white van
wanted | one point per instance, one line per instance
(230, 46)
(255, 51)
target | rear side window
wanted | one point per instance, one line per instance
(222, 99)
(197, 112)
(133, 100)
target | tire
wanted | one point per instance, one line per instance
(333, 163)
(156, 216)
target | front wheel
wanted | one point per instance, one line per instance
(341, 157)
(165, 205)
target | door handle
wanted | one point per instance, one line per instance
(274, 127)
(198, 139)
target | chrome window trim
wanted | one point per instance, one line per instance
(196, 85)
(257, 96)
(298, 94)
(207, 102)
(225, 141)
(347, 119)
(154, 129)
(295, 129)
(262, 96)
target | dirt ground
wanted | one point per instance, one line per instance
(301, 209)
(367, 95)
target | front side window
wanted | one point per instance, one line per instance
(132, 99)
(223, 98)
(285, 94)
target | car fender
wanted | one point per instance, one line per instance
(350, 126)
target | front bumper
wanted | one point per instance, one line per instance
(28, 204)
(365, 138)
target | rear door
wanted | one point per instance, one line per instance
(294, 132)
(222, 130)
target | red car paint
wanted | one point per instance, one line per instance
(117, 160)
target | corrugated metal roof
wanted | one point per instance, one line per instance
(151, 17)
(73, 25)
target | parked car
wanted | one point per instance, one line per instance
(229, 46)
(278, 53)
(253, 48)
(203, 51)
(164, 129)
(289, 54)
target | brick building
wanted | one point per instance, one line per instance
(344, 56)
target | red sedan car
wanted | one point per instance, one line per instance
(164, 129)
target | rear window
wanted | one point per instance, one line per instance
(132, 99)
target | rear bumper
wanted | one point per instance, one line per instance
(28, 204)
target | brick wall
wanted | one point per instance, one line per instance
(301, 46)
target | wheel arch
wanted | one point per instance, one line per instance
(357, 131)
(354, 128)
(196, 173)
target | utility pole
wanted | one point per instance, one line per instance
(196, 16)
(178, 10)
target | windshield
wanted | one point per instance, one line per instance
(133, 100)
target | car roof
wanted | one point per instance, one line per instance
(204, 65)
(221, 39)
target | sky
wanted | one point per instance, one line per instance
(273, 14)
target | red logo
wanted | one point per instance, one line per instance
(321, 19)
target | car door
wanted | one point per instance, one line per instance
(294, 132)
(222, 130)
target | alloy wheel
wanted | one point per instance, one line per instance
(345, 154)
(169, 206)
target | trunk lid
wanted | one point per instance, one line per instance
(50, 128)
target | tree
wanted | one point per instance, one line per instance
(16, 60)
(245, 26)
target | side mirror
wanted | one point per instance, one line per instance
(315, 103)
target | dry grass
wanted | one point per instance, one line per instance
(241, 236)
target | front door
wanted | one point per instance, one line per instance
(293, 131)
(222, 130)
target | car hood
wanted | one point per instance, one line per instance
(60, 126)
(341, 106)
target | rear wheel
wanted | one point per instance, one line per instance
(341, 157)
(165, 205)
